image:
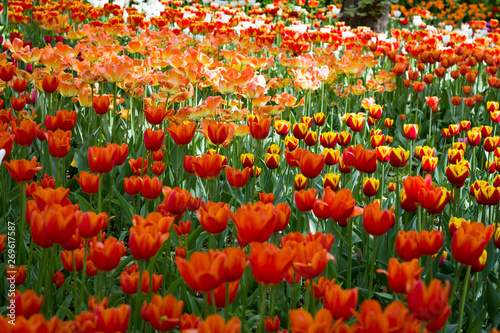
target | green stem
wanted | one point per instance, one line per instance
(464, 296)
(349, 253)
(263, 290)
(139, 296)
(372, 267)
(84, 272)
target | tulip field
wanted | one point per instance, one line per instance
(226, 167)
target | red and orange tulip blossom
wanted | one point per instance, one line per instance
(427, 303)
(163, 313)
(216, 323)
(433, 198)
(469, 241)
(151, 187)
(106, 255)
(156, 114)
(255, 223)
(153, 140)
(304, 200)
(112, 319)
(399, 274)
(59, 143)
(377, 222)
(201, 272)
(269, 264)
(394, 318)
(129, 281)
(101, 104)
(408, 245)
(412, 186)
(88, 182)
(237, 178)
(338, 206)
(207, 166)
(101, 159)
(213, 217)
(430, 242)
(25, 132)
(23, 171)
(259, 128)
(182, 134)
(91, 223)
(301, 321)
(310, 259)
(145, 240)
(27, 303)
(311, 164)
(341, 303)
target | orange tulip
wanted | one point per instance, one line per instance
(310, 259)
(408, 245)
(139, 166)
(254, 223)
(25, 133)
(176, 200)
(163, 313)
(341, 205)
(66, 120)
(50, 83)
(430, 242)
(121, 152)
(153, 140)
(259, 128)
(91, 223)
(129, 281)
(156, 114)
(311, 165)
(201, 272)
(236, 178)
(106, 255)
(182, 134)
(151, 187)
(215, 323)
(377, 222)
(427, 303)
(394, 318)
(269, 264)
(101, 104)
(304, 200)
(7, 72)
(101, 160)
(469, 241)
(340, 303)
(59, 143)
(112, 319)
(22, 170)
(213, 217)
(132, 186)
(27, 303)
(399, 274)
(207, 166)
(217, 133)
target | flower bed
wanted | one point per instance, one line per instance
(230, 167)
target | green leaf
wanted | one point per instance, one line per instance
(125, 206)
(84, 204)
(491, 299)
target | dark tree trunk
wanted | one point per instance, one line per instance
(374, 16)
